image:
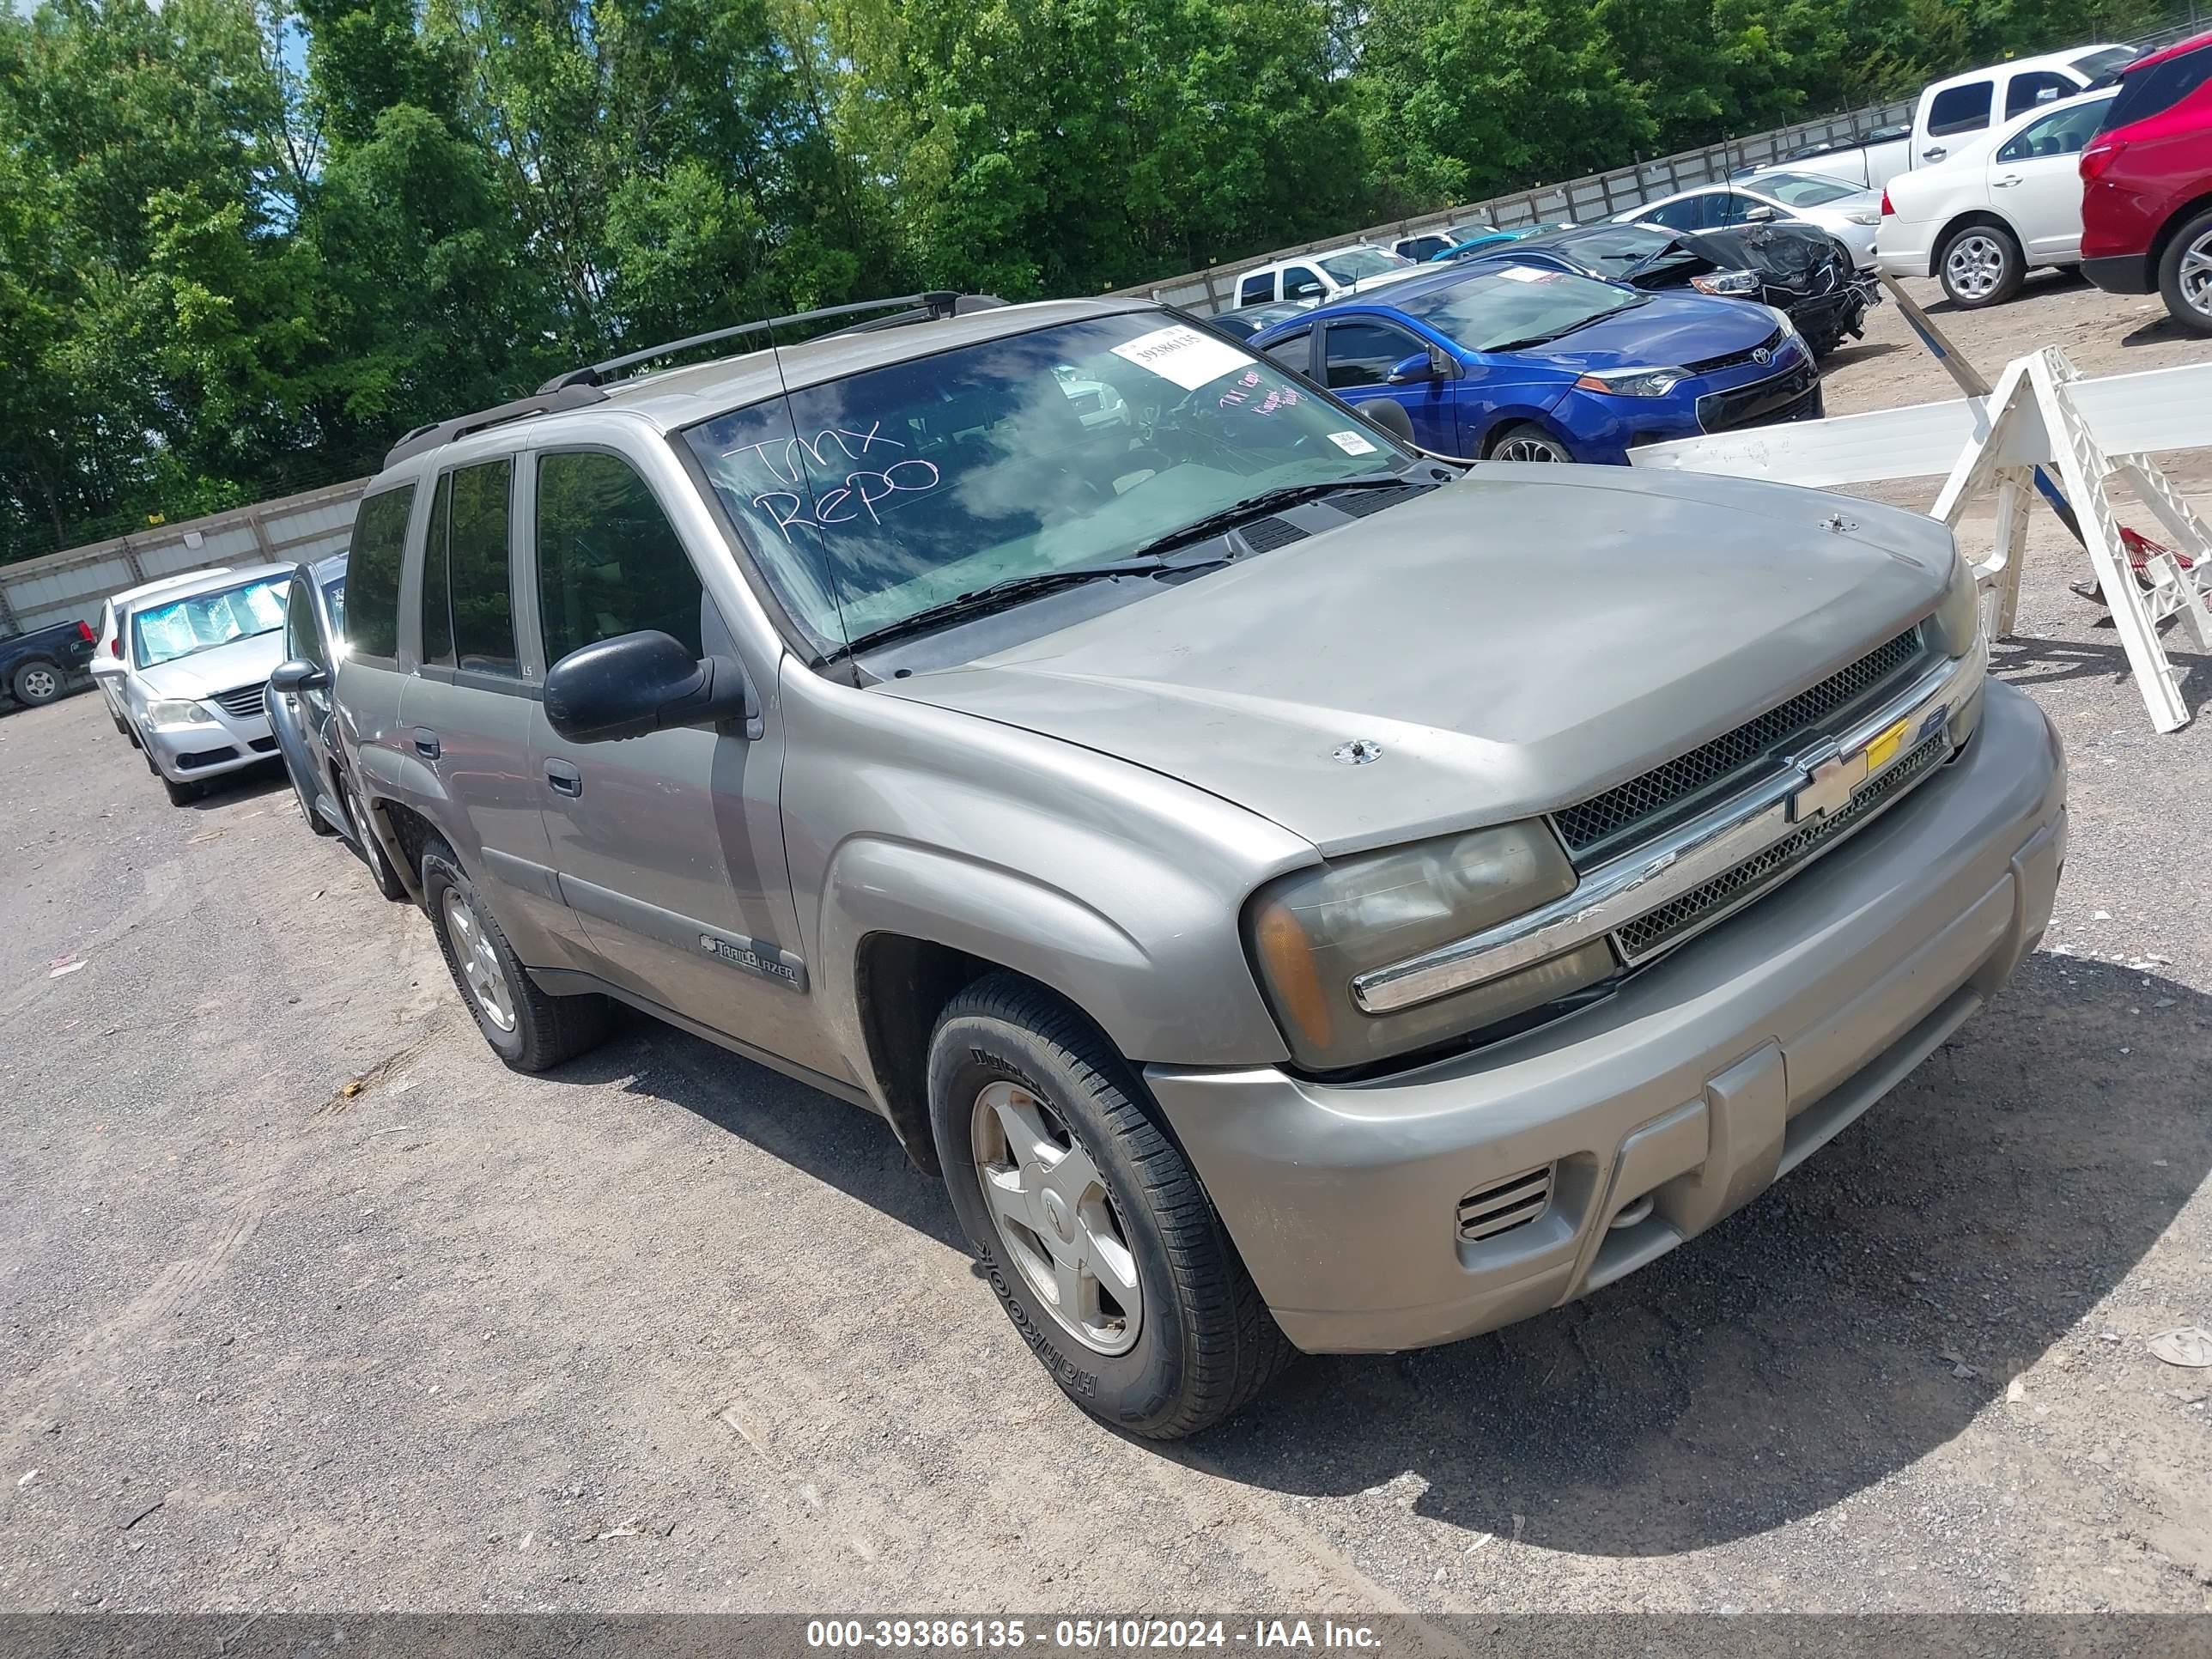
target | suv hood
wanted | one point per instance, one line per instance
(1514, 642)
(219, 668)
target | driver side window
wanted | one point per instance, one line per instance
(1363, 353)
(303, 642)
(1690, 213)
(609, 562)
(1301, 283)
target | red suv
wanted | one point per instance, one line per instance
(2147, 178)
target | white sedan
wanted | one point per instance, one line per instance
(1847, 212)
(1992, 210)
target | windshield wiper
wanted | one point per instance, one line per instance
(1012, 591)
(1572, 328)
(1258, 506)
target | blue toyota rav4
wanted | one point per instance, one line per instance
(1514, 362)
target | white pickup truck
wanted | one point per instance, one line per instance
(1953, 111)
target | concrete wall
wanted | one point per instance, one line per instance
(70, 586)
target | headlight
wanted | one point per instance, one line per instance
(1957, 621)
(1736, 282)
(1632, 382)
(166, 712)
(1312, 931)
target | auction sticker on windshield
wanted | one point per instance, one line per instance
(1182, 354)
(1529, 274)
(1352, 443)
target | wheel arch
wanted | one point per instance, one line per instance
(2171, 228)
(1964, 221)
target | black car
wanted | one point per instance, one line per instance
(304, 720)
(1796, 268)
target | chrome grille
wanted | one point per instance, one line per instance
(1643, 804)
(1489, 1211)
(243, 704)
(1731, 888)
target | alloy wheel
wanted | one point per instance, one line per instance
(1974, 265)
(1055, 1220)
(1527, 449)
(481, 970)
(2197, 275)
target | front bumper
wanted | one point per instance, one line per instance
(1710, 1075)
(185, 754)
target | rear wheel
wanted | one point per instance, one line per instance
(1526, 441)
(527, 1028)
(37, 681)
(2185, 275)
(1981, 265)
(1093, 1229)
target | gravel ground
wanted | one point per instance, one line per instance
(663, 1331)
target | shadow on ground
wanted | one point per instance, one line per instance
(1788, 1358)
(2028, 663)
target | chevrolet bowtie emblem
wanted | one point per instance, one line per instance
(1828, 785)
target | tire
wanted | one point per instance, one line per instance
(1981, 265)
(2185, 275)
(1527, 441)
(180, 794)
(527, 1028)
(36, 683)
(316, 821)
(1199, 1343)
(367, 847)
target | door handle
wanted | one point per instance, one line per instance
(2005, 183)
(426, 743)
(565, 779)
(1934, 153)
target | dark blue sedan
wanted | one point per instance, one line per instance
(1511, 362)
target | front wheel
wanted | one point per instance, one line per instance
(2185, 275)
(1981, 265)
(1527, 442)
(1093, 1229)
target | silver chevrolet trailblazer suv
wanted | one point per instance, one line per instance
(1301, 892)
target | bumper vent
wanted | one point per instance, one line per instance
(1643, 804)
(1734, 887)
(243, 704)
(1489, 1211)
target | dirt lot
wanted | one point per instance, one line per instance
(664, 1331)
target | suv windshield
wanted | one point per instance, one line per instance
(1503, 308)
(874, 498)
(164, 632)
(1802, 189)
(1360, 264)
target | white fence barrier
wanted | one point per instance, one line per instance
(2040, 413)
(70, 586)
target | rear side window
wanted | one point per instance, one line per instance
(484, 608)
(609, 562)
(379, 533)
(2157, 89)
(437, 606)
(1690, 213)
(1959, 109)
(2036, 86)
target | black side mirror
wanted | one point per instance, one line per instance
(1390, 415)
(634, 684)
(297, 676)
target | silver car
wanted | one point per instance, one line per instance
(1298, 892)
(1849, 213)
(195, 657)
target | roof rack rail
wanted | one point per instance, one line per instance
(547, 400)
(926, 307)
